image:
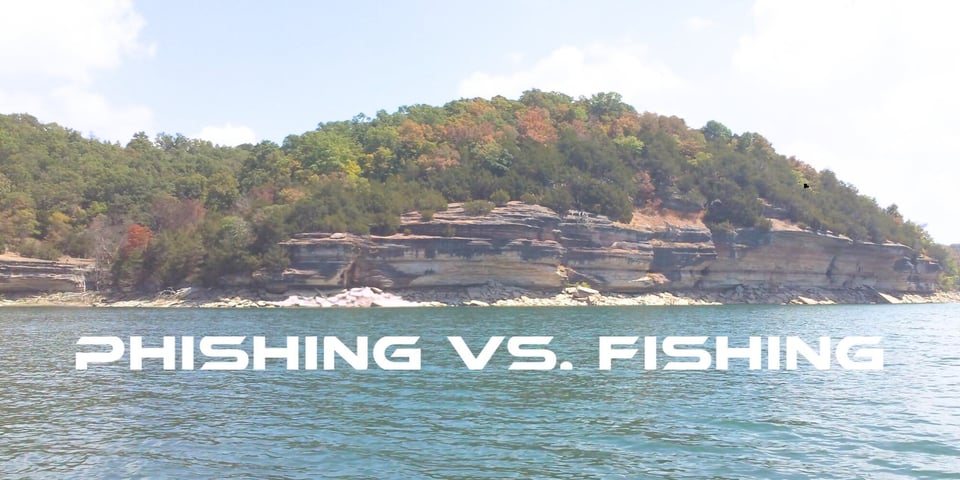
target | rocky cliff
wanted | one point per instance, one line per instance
(31, 275)
(529, 246)
(796, 259)
(518, 245)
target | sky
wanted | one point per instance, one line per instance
(868, 89)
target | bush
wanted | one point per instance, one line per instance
(127, 270)
(426, 215)
(31, 247)
(559, 200)
(276, 259)
(478, 208)
(500, 197)
(722, 231)
(528, 198)
(430, 200)
(171, 259)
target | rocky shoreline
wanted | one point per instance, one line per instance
(479, 296)
(527, 255)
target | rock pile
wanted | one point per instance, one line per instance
(478, 296)
(354, 297)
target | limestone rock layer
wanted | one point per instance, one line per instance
(529, 246)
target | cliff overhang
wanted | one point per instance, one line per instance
(20, 275)
(530, 246)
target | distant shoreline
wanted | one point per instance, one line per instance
(481, 296)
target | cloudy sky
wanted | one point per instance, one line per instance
(865, 88)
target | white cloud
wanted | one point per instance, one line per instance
(68, 39)
(228, 135)
(870, 88)
(811, 43)
(623, 68)
(80, 109)
(867, 89)
(697, 24)
(51, 52)
(515, 58)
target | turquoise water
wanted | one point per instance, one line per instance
(445, 421)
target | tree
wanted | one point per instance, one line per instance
(534, 125)
(324, 151)
(171, 259)
(608, 106)
(106, 239)
(492, 156)
(140, 142)
(222, 191)
(57, 227)
(18, 219)
(62, 192)
(715, 131)
(171, 213)
(137, 239)
(227, 243)
(128, 269)
(478, 208)
(500, 197)
(558, 199)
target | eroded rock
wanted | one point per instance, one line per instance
(530, 247)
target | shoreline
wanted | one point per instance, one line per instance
(479, 296)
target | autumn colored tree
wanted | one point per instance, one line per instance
(171, 213)
(534, 124)
(138, 237)
(160, 212)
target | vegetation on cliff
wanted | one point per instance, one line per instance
(162, 211)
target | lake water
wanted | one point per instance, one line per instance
(445, 421)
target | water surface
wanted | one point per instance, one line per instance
(445, 421)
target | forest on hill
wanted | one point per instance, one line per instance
(160, 212)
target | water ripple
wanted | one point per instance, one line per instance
(447, 422)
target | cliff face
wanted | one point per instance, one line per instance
(28, 275)
(421, 261)
(805, 259)
(515, 246)
(520, 245)
(531, 247)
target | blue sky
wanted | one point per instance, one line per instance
(867, 89)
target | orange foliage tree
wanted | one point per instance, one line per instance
(138, 238)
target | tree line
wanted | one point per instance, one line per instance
(170, 210)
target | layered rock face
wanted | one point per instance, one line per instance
(529, 246)
(797, 259)
(515, 246)
(29, 275)
(520, 245)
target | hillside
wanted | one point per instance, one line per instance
(162, 212)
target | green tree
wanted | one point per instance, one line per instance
(324, 151)
(500, 197)
(715, 131)
(222, 191)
